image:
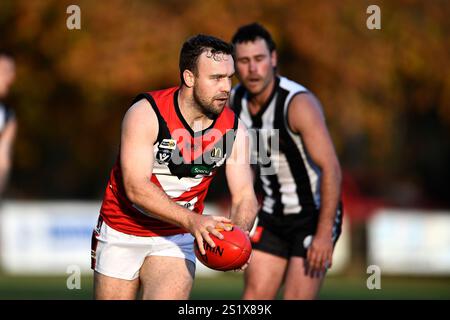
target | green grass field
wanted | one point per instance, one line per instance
(229, 286)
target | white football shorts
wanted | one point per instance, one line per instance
(119, 255)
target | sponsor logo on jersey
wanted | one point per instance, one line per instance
(170, 144)
(216, 154)
(200, 170)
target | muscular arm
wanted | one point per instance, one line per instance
(7, 138)
(306, 118)
(240, 182)
(139, 133)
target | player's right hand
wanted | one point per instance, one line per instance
(201, 226)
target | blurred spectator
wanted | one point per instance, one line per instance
(8, 122)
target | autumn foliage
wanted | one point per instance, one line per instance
(385, 92)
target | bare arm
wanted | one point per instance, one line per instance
(139, 133)
(240, 182)
(307, 119)
(6, 144)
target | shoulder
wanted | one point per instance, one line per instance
(304, 101)
(304, 110)
(163, 93)
(300, 104)
(141, 113)
(291, 86)
(140, 124)
(298, 95)
(157, 97)
(228, 118)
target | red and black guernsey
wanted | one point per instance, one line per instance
(184, 166)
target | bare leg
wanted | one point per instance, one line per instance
(300, 284)
(166, 278)
(108, 288)
(263, 276)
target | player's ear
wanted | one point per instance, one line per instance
(189, 78)
(274, 58)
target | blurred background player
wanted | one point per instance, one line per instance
(8, 123)
(172, 143)
(300, 219)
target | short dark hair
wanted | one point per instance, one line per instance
(251, 32)
(195, 46)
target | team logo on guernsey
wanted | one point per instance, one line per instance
(165, 149)
(163, 156)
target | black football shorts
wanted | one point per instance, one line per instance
(289, 235)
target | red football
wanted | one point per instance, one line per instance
(230, 253)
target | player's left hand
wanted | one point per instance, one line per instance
(320, 253)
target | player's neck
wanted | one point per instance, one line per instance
(257, 101)
(191, 112)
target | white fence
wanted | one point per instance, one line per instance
(46, 237)
(414, 242)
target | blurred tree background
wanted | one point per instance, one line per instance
(385, 92)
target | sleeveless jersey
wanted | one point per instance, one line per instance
(184, 165)
(293, 186)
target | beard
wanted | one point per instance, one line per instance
(211, 107)
(257, 86)
(260, 83)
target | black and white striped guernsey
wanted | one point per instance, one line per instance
(294, 185)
